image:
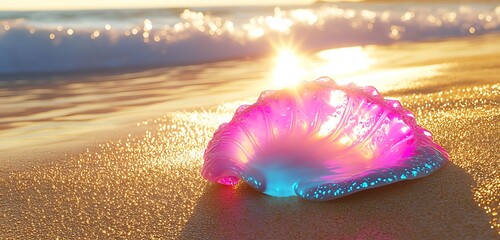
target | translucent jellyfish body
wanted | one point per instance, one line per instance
(321, 141)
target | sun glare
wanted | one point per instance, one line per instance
(343, 61)
(288, 71)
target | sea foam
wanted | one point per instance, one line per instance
(204, 36)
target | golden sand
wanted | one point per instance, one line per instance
(148, 185)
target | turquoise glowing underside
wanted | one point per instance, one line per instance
(321, 141)
(281, 183)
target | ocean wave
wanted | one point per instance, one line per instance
(198, 37)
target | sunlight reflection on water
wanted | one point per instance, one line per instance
(343, 61)
(345, 65)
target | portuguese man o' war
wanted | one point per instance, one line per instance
(320, 141)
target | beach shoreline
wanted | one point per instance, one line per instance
(140, 178)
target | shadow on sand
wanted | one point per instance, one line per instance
(430, 208)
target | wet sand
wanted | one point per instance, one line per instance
(144, 181)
